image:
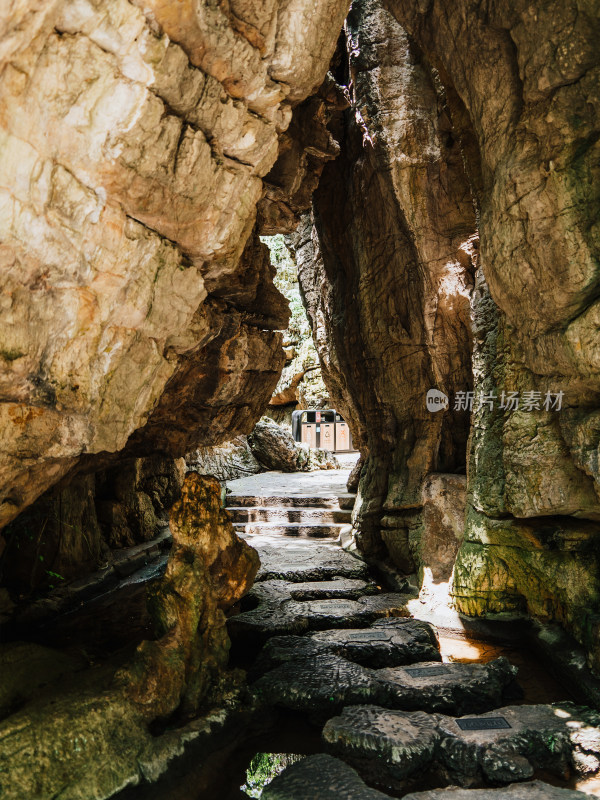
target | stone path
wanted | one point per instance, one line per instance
(332, 644)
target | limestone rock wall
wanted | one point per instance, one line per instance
(137, 308)
(386, 267)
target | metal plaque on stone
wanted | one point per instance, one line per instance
(483, 724)
(427, 672)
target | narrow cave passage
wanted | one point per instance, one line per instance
(299, 400)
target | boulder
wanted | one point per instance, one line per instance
(225, 462)
(275, 448)
(507, 745)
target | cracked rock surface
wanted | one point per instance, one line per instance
(139, 306)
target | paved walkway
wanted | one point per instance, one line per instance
(321, 483)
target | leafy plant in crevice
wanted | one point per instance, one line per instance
(312, 391)
(263, 768)
(286, 280)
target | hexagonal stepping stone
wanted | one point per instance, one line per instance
(277, 615)
(536, 790)
(325, 682)
(387, 642)
(452, 688)
(320, 777)
(509, 744)
(305, 561)
(380, 741)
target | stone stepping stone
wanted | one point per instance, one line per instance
(325, 682)
(301, 561)
(320, 777)
(536, 790)
(337, 587)
(373, 738)
(453, 688)
(276, 615)
(322, 684)
(387, 642)
(509, 744)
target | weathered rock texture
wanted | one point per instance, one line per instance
(210, 568)
(137, 306)
(301, 383)
(462, 115)
(518, 742)
(225, 462)
(385, 265)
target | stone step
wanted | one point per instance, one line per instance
(298, 560)
(347, 501)
(507, 745)
(312, 516)
(323, 777)
(388, 642)
(298, 530)
(281, 501)
(279, 615)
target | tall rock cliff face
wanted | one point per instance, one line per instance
(386, 267)
(137, 309)
(495, 105)
(522, 85)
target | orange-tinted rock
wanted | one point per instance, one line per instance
(209, 569)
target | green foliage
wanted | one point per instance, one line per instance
(263, 768)
(312, 392)
(286, 280)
